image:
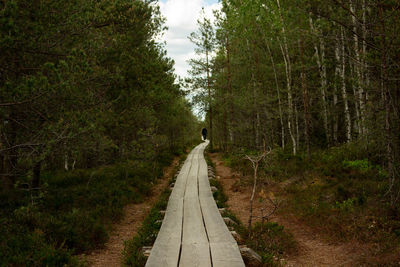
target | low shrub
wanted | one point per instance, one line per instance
(271, 239)
(146, 235)
(340, 191)
(72, 213)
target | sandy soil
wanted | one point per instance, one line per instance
(111, 254)
(313, 249)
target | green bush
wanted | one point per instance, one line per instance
(146, 235)
(270, 239)
(362, 165)
(71, 214)
(347, 205)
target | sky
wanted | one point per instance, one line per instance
(181, 16)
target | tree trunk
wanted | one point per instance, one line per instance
(320, 57)
(385, 89)
(366, 80)
(256, 84)
(344, 90)
(359, 91)
(209, 100)
(288, 69)
(305, 100)
(279, 97)
(229, 84)
(335, 94)
(357, 123)
(290, 102)
(66, 167)
(36, 174)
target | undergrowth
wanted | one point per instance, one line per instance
(72, 213)
(270, 240)
(340, 191)
(147, 234)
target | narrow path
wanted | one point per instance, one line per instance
(313, 249)
(111, 254)
(193, 232)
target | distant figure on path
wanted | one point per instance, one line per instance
(204, 133)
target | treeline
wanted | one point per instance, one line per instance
(84, 84)
(304, 75)
(90, 113)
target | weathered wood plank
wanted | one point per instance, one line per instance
(195, 255)
(204, 184)
(195, 246)
(226, 255)
(223, 247)
(193, 232)
(216, 228)
(166, 248)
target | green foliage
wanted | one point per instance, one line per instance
(347, 205)
(337, 192)
(83, 84)
(73, 215)
(91, 86)
(271, 239)
(146, 235)
(361, 165)
(219, 195)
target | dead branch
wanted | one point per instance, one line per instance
(255, 160)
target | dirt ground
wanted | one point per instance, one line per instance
(111, 254)
(313, 249)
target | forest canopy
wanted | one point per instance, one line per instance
(90, 113)
(83, 83)
(303, 76)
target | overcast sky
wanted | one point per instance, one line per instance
(182, 18)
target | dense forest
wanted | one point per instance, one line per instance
(83, 84)
(317, 83)
(303, 75)
(91, 112)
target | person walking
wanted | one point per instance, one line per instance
(204, 133)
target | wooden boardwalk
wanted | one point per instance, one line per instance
(193, 232)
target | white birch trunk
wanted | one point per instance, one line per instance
(279, 97)
(66, 161)
(364, 61)
(335, 94)
(322, 73)
(344, 90)
(359, 90)
(288, 69)
(290, 101)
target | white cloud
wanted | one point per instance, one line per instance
(182, 18)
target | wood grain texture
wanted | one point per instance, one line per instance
(193, 232)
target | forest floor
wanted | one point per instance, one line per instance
(126, 229)
(314, 249)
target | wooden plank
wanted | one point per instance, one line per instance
(166, 248)
(216, 228)
(193, 232)
(180, 183)
(195, 246)
(226, 255)
(195, 255)
(204, 185)
(223, 247)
